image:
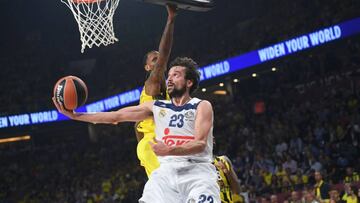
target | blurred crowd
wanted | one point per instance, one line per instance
(293, 135)
(73, 170)
(233, 28)
(281, 135)
(285, 132)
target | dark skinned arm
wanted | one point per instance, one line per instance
(156, 78)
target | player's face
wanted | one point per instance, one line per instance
(294, 196)
(318, 176)
(151, 61)
(176, 82)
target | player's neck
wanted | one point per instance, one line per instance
(179, 101)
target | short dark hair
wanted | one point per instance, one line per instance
(146, 56)
(191, 72)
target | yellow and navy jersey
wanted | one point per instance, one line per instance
(224, 184)
(148, 125)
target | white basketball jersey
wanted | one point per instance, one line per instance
(175, 125)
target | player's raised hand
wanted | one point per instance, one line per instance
(62, 110)
(172, 11)
(159, 148)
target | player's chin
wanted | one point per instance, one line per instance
(170, 89)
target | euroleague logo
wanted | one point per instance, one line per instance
(189, 116)
(59, 97)
(175, 140)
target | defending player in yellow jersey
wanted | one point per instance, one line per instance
(228, 181)
(155, 88)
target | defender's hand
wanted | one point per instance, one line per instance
(172, 11)
(61, 109)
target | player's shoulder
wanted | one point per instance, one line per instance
(144, 97)
(196, 100)
(225, 158)
(203, 103)
(165, 101)
(143, 91)
(148, 104)
(162, 103)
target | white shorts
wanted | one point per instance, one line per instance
(182, 182)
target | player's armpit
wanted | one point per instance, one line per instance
(153, 84)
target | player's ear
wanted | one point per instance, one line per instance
(189, 83)
(147, 67)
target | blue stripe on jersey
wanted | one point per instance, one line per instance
(176, 108)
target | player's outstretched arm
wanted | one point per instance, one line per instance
(132, 114)
(153, 83)
(203, 125)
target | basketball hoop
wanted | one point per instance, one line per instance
(191, 5)
(95, 20)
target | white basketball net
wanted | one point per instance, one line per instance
(95, 20)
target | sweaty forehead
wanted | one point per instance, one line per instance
(177, 69)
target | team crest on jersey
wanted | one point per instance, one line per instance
(162, 113)
(189, 115)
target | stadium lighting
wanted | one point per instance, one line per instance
(221, 84)
(203, 89)
(273, 69)
(254, 75)
(236, 80)
(15, 139)
(220, 92)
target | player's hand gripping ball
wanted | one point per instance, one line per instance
(70, 92)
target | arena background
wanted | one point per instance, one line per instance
(300, 112)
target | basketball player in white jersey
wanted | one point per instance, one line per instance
(184, 140)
